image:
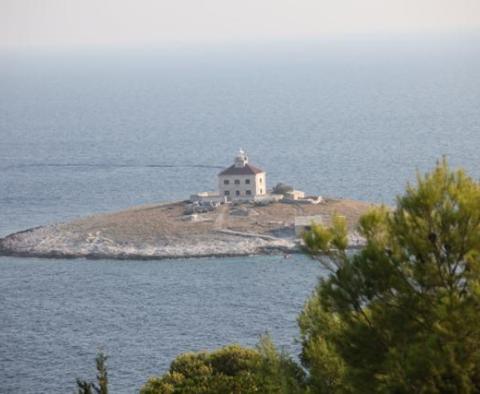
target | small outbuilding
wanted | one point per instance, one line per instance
(304, 223)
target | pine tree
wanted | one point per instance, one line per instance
(402, 315)
(101, 387)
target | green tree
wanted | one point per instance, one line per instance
(101, 387)
(232, 369)
(403, 314)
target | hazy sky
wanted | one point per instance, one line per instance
(69, 23)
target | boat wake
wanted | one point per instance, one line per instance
(107, 165)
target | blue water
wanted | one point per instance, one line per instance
(56, 314)
(100, 131)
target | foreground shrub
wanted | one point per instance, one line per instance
(101, 387)
(232, 369)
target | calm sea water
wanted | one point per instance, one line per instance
(92, 132)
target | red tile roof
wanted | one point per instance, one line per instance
(247, 170)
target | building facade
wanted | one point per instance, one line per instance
(242, 181)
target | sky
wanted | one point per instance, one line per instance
(143, 23)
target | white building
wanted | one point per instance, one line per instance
(242, 181)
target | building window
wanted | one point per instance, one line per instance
(247, 181)
(248, 192)
(237, 193)
(237, 181)
(260, 180)
(261, 191)
(227, 193)
(226, 182)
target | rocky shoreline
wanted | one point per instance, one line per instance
(164, 231)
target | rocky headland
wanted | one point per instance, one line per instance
(169, 231)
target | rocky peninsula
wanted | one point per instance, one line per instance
(169, 230)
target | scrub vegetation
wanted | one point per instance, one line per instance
(399, 316)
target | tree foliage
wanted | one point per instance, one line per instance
(232, 369)
(402, 315)
(101, 387)
(282, 188)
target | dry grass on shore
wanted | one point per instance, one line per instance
(167, 221)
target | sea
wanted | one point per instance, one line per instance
(99, 130)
